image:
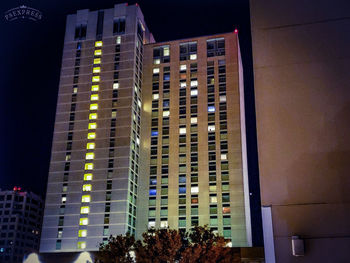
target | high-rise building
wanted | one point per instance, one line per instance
(146, 134)
(21, 215)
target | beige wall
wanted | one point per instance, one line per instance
(301, 77)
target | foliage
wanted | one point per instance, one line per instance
(200, 245)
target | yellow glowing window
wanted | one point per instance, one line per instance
(92, 116)
(94, 97)
(183, 67)
(89, 156)
(97, 61)
(98, 52)
(156, 96)
(75, 90)
(193, 57)
(81, 245)
(139, 103)
(156, 61)
(118, 40)
(82, 233)
(155, 70)
(194, 120)
(89, 166)
(84, 221)
(93, 106)
(182, 130)
(84, 210)
(166, 113)
(95, 87)
(96, 70)
(91, 135)
(87, 177)
(223, 156)
(86, 198)
(95, 78)
(116, 85)
(98, 44)
(87, 187)
(90, 146)
(92, 125)
(166, 51)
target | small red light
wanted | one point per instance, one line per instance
(19, 188)
(137, 4)
(236, 31)
(126, 4)
(15, 188)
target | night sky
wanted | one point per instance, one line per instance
(31, 53)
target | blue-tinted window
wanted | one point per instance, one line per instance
(152, 191)
(154, 133)
(211, 109)
(182, 179)
(166, 76)
(153, 181)
(182, 190)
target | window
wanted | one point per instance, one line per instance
(211, 108)
(94, 97)
(92, 125)
(92, 116)
(194, 83)
(87, 187)
(119, 26)
(215, 47)
(91, 135)
(86, 198)
(89, 166)
(152, 191)
(162, 54)
(213, 198)
(89, 156)
(211, 128)
(84, 210)
(82, 233)
(194, 189)
(87, 177)
(226, 220)
(166, 113)
(80, 32)
(98, 52)
(188, 51)
(97, 60)
(194, 92)
(58, 244)
(183, 68)
(164, 223)
(225, 197)
(98, 44)
(90, 146)
(81, 245)
(182, 130)
(84, 221)
(182, 190)
(96, 70)
(156, 71)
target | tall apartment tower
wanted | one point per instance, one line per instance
(194, 137)
(94, 170)
(146, 135)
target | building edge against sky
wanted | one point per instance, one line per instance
(99, 166)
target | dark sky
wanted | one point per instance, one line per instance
(30, 65)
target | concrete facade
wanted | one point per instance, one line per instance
(301, 61)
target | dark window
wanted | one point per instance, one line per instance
(119, 26)
(188, 49)
(216, 47)
(80, 32)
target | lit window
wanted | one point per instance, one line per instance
(84, 221)
(93, 107)
(95, 78)
(95, 87)
(222, 98)
(97, 61)
(226, 210)
(92, 125)
(64, 199)
(163, 223)
(155, 70)
(81, 245)
(87, 177)
(139, 103)
(98, 52)
(166, 113)
(194, 120)
(138, 141)
(87, 187)
(92, 116)
(89, 156)
(89, 166)
(82, 233)
(96, 70)
(116, 85)
(182, 130)
(84, 210)
(75, 90)
(98, 44)
(183, 67)
(118, 40)
(213, 199)
(151, 224)
(86, 198)
(211, 128)
(90, 146)
(194, 83)
(224, 156)
(194, 189)
(193, 57)
(91, 135)
(155, 96)
(94, 97)
(114, 114)
(211, 108)
(212, 188)
(194, 92)
(166, 51)
(156, 61)
(183, 84)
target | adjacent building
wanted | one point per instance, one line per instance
(302, 92)
(21, 216)
(146, 134)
